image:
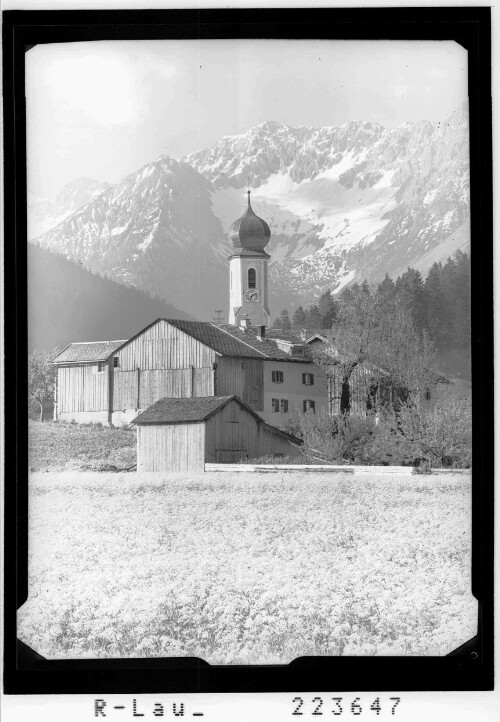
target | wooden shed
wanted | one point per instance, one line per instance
(178, 435)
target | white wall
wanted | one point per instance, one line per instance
(292, 389)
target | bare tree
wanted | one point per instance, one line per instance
(383, 334)
(408, 355)
(351, 341)
(439, 436)
(42, 378)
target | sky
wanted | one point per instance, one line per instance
(103, 109)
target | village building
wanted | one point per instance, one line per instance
(270, 370)
(178, 435)
(110, 382)
(274, 374)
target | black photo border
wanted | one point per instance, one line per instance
(468, 668)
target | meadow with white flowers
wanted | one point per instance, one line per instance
(251, 568)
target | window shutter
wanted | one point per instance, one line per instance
(273, 375)
(303, 378)
(311, 379)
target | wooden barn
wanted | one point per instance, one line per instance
(110, 381)
(179, 435)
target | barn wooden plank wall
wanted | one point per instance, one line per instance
(140, 389)
(81, 388)
(242, 377)
(164, 346)
(232, 429)
(272, 443)
(171, 448)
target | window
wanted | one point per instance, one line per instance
(116, 362)
(252, 278)
(284, 406)
(309, 405)
(308, 379)
(276, 405)
(101, 366)
(427, 394)
(277, 377)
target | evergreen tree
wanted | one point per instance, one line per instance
(299, 318)
(450, 295)
(328, 309)
(410, 293)
(283, 321)
(313, 317)
(462, 304)
(386, 291)
(434, 303)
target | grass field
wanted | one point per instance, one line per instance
(247, 569)
(85, 447)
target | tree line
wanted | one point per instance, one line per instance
(439, 305)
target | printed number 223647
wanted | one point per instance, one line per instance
(340, 705)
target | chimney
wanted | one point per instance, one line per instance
(245, 322)
(261, 333)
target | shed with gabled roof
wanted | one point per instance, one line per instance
(181, 435)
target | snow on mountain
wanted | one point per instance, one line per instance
(45, 213)
(154, 230)
(350, 202)
(344, 204)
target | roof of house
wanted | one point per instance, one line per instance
(195, 409)
(171, 411)
(217, 338)
(87, 351)
(268, 347)
(225, 339)
(296, 336)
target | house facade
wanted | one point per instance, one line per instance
(110, 382)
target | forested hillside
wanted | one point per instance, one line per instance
(440, 304)
(68, 303)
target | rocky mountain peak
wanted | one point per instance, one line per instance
(343, 203)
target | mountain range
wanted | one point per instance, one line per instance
(344, 204)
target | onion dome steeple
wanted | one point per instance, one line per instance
(249, 233)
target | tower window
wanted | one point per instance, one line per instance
(252, 278)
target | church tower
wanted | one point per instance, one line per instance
(248, 273)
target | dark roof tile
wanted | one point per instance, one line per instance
(216, 338)
(267, 346)
(87, 352)
(171, 411)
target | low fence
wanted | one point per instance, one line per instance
(326, 469)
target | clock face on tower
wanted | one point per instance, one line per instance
(252, 295)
